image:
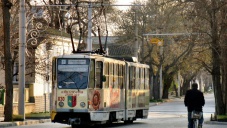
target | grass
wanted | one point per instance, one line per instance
(31, 116)
(222, 118)
(159, 100)
(41, 114)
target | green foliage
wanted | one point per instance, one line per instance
(18, 118)
(158, 100)
(32, 115)
(172, 86)
(40, 114)
(222, 118)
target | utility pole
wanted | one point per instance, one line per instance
(160, 75)
(22, 45)
(89, 38)
(136, 47)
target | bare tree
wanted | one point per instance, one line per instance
(158, 17)
(8, 109)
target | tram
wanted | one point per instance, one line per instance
(90, 88)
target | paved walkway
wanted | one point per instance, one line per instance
(19, 123)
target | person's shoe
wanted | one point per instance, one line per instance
(200, 126)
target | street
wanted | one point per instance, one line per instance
(171, 114)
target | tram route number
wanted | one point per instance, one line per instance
(61, 98)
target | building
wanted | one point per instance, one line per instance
(38, 75)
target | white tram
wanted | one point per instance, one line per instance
(91, 88)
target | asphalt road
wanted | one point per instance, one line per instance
(171, 114)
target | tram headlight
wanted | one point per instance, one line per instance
(82, 104)
(61, 104)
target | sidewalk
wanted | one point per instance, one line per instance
(19, 123)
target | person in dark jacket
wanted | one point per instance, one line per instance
(194, 100)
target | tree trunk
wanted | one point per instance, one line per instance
(186, 86)
(216, 76)
(8, 108)
(216, 62)
(156, 88)
(176, 89)
(167, 83)
(224, 55)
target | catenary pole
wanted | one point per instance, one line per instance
(89, 38)
(22, 45)
(136, 47)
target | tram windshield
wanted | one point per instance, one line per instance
(72, 73)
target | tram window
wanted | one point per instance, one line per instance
(116, 73)
(111, 75)
(98, 74)
(139, 79)
(92, 75)
(106, 68)
(142, 78)
(121, 76)
(132, 78)
(136, 74)
(106, 73)
(110, 68)
(146, 78)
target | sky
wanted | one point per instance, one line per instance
(124, 2)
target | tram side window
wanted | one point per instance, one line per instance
(120, 76)
(111, 75)
(132, 77)
(142, 78)
(106, 73)
(116, 74)
(147, 78)
(123, 76)
(98, 74)
(139, 79)
(92, 75)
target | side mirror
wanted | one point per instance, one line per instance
(103, 78)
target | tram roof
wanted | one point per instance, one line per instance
(90, 54)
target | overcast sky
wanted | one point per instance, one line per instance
(124, 2)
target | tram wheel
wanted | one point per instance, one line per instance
(82, 125)
(128, 121)
(73, 126)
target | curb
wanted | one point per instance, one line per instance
(216, 122)
(157, 103)
(26, 122)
